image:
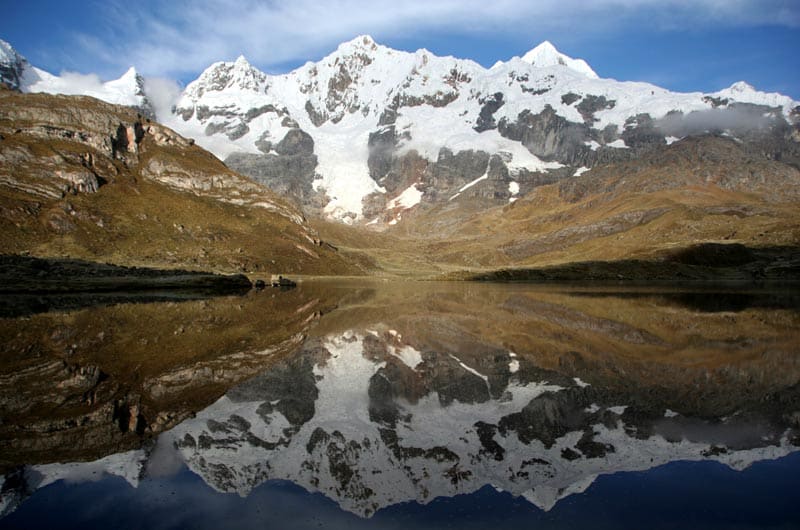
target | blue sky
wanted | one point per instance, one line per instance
(678, 44)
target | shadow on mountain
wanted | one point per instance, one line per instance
(709, 263)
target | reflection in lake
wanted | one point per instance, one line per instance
(375, 395)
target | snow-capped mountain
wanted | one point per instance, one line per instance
(369, 132)
(19, 74)
(384, 129)
(545, 55)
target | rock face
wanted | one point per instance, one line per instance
(12, 66)
(288, 168)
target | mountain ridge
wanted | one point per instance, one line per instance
(374, 114)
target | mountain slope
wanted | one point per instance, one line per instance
(87, 179)
(699, 190)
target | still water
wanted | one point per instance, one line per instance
(403, 405)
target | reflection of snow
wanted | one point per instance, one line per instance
(580, 383)
(432, 440)
(412, 449)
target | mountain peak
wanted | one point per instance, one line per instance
(363, 40)
(360, 43)
(545, 54)
(741, 87)
(131, 73)
(238, 74)
(7, 52)
(544, 47)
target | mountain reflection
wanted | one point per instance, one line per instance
(407, 395)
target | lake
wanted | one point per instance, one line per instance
(372, 404)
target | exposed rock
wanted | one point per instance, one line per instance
(382, 144)
(548, 135)
(569, 98)
(288, 175)
(452, 171)
(591, 104)
(296, 142)
(640, 132)
(491, 104)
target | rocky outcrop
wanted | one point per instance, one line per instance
(288, 169)
(725, 163)
(548, 135)
(99, 134)
(491, 104)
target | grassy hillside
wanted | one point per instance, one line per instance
(700, 190)
(85, 179)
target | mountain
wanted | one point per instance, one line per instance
(368, 133)
(18, 74)
(87, 179)
(535, 161)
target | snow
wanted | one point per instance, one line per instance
(538, 79)
(467, 186)
(343, 381)
(580, 171)
(618, 144)
(342, 154)
(8, 55)
(670, 413)
(746, 93)
(127, 90)
(410, 197)
(513, 187)
(470, 370)
(580, 383)
(127, 465)
(545, 54)
(618, 410)
(671, 139)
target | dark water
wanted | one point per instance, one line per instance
(414, 405)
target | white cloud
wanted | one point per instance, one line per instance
(182, 36)
(76, 83)
(163, 94)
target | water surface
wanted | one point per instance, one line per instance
(381, 404)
